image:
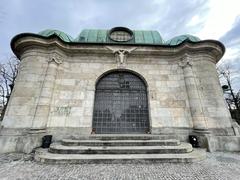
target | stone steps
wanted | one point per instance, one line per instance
(119, 148)
(96, 142)
(61, 149)
(125, 137)
(42, 155)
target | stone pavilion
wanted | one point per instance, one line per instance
(116, 81)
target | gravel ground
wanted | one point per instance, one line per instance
(225, 166)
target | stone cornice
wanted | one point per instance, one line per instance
(211, 47)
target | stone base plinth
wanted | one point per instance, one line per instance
(223, 143)
(21, 143)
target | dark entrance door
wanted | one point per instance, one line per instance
(121, 104)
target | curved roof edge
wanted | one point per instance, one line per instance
(101, 36)
(179, 39)
(21, 37)
(49, 32)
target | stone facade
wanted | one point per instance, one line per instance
(54, 91)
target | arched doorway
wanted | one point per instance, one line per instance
(121, 104)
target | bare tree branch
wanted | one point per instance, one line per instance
(231, 96)
(8, 74)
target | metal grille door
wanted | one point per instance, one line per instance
(120, 104)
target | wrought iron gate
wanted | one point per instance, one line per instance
(121, 104)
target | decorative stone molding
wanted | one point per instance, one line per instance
(55, 58)
(121, 55)
(185, 61)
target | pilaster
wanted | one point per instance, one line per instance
(196, 108)
(43, 106)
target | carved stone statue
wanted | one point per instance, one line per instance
(55, 58)
(121, 54)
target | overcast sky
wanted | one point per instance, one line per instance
(207, 19)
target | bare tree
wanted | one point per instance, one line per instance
(232, 96)
(8, 74)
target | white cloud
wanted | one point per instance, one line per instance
(221, 17)
(194, 21)
(206, 19)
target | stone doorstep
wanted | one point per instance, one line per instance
(95, 142)
(61, 149)
(42, 155)
(125, 137)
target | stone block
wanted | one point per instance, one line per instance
(153, 72)
(164, 72)
(61, 110)
(161, 83)
(27, 101)
(173, 84)
(76, 111)
(90, 95)
(174, 77)
(46, 92)
(68, 82)
(28, 143)
(162, 77)
(57, 121)
(181, 121)
(39, 122)
(76, 102)
(223, 143)
(29, 77)
(177, 112)
(88, 103)
(78, 95)
(25, 92)
(27, 84)
(165, 112)
(166, 121)
(169, 103)
(49, 84)
(65, 94)
(73, 121)
(86, 121)
(50, 78)
(8, 144)
(42, 110)
(88, 111)
(44, 101)
(162, 89)
(19, 110)
(218, 122)
(17, 121)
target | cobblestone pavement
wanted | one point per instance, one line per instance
(225, 166)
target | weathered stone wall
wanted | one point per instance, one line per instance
(23, 102)
(216, 112)
(73, 97)
(55, 91)
(52, 94)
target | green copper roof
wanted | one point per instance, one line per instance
(92, 35)
(49, 32)
(102, 36)
(179, 39)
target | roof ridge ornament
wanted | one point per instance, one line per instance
(121, 55)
